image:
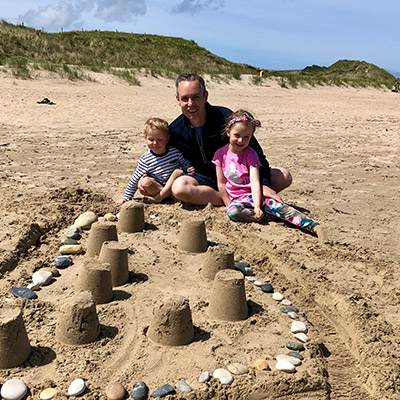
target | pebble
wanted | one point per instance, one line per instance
(250, 278)
(152, 216)
(42, 277)
(25, 293)
(238, 369)
(258, 283)
(140, 391)
(287, 309)
(118, 215)
(53, 270)
(86, 220)
(115, 391)
(261, 365)
(298, 326)
(63, 261)
(76, 387)
(224, 376)
(71, 241)
(296, 355)
(13, 389)
(33, 286)
(73, 232)
(302, 337)
(204, 377)
(163, 391)
(183, 387)
(110, 217)
(267, 288)
(48, 393)
(286, 302)
(294, 360)
(295, 346)
(286, 366)
(244, 268)
(293, 315)
(277, 296)
(71, 249)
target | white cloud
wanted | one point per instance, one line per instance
(196, 6)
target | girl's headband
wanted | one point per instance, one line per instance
(246, 117)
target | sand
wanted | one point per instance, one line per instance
(342, 148)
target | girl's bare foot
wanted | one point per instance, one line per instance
(321, 233)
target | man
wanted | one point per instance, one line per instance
(198, 133)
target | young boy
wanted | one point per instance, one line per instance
(158, 167)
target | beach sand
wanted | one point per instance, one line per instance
(342, 148)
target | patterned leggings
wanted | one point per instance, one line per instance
(242, 210)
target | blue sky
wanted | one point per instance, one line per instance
(270, 34)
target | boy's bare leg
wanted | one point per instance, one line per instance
(151, 186)
(188, 190)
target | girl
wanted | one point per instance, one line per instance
(238, 178)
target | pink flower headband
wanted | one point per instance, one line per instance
(245, 118)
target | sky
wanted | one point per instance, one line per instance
(268, 34)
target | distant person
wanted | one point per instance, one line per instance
(198, 133)
(262, 73)
(158, 167)
(239, 184)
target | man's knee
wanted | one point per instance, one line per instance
(281, 178)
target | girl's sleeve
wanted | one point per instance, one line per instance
(217, 159)
(253, 160)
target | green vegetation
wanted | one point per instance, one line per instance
(343, 72)
(26, 51)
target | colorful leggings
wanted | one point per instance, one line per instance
(242, 210)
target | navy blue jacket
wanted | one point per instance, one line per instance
(184, 137)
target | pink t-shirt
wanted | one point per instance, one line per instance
(236, 169)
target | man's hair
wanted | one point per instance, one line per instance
(157, 123)
(189, 77)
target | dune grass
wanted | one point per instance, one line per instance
(26, 51)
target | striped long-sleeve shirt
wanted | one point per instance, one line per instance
(159, 167)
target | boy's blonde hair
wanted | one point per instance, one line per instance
(157, 123)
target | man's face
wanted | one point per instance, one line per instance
(192, 99)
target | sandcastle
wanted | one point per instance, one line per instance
(116, 255)
(100, 232)
(131, 218)
(171, 324)
(78, 322)
(217, 259)
(192, 237)
(95, 276)
(14, 343)
(228, 296)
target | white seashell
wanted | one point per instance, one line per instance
(204, 377)
(258, 283)
(48, 394)
(286, 302)
(250, 278)
(76, 387)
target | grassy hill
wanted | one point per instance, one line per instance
(71, 54)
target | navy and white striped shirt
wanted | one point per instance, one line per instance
(159, 167)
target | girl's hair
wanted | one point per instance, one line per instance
(157, 123)
(244, 117)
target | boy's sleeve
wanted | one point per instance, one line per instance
(132, 185)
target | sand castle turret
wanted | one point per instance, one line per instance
(193, 237)
(171, 324)
(14, 343)
(100, 232)
(131, 218)
(78, 322)
(116, 255)
(95, 276)
(228, 296)
(217, 258)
